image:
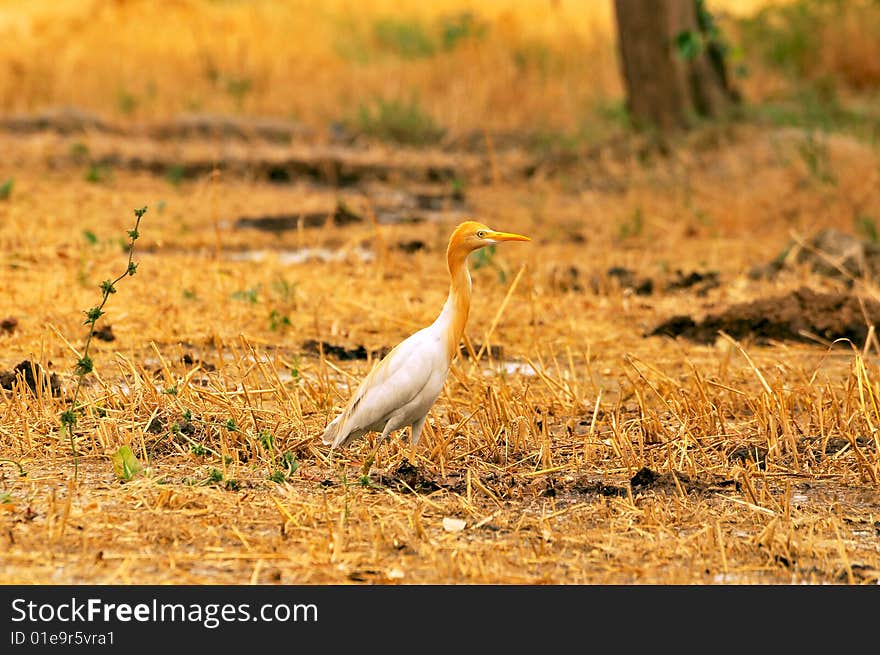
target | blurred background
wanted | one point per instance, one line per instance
(548, 71)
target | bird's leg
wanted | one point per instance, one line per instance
(416, 434)
(368, 463)
(416, 430)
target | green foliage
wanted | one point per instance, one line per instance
(127, 102)
(237, 86)
(267, 439)
(98, 173)
(125, 464)
(21, 471)
(458, 27)
(483, 257)
(79, 151)
(198, 450)
(215, 476)
(285, 290)
(407, 39)
(398, 121)
(289, 462)
(537, 56)
(688, 44)
(413, 39)
(6, 188)
(631, 226)
(247, 295)
(814, 153)
(866, 226)
(816, 105)
(786, 35)
(84, 364)
(175, 174)
(278, 321)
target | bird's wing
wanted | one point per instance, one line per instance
(393, 382)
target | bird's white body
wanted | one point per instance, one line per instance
(401, 389)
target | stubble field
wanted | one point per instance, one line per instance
(575, 442)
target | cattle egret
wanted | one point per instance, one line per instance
(402, 387)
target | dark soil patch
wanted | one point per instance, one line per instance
(105, 333)
(33, 375)
(315, 347)
(646, 479)
(628, 280)
(189, 360)
(589, 486)
(408, 478)
(755, 454)
(410, 247)
(829, 253)
(703, 281)
(8, 325)
(62, 120)
(203, 126)
(342, 215)
(800, 316)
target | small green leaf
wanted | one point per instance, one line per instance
(267, 439)
(688, 45)
(290, 463)
(93, 315)
(84, 366)
(68, 418)
(6, 188)
(125, 464)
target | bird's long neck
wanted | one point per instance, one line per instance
(453, 318)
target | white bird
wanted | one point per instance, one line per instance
(403, 386)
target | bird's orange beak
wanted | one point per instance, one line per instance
(506, 236)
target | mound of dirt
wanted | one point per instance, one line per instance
(33, 375)
(646, 479)
(830, 253)
(800, 316)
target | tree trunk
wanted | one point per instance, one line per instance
(672, 65)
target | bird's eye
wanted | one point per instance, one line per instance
(481, 234)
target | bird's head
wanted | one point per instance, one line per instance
(472, 235)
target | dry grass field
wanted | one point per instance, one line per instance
(288, 243)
